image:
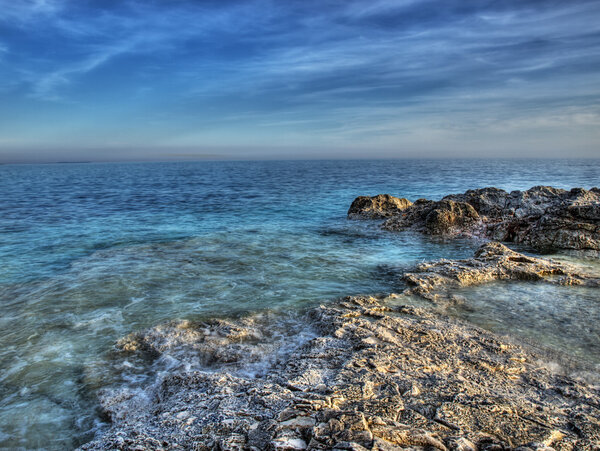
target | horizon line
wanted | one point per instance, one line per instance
(238, 159)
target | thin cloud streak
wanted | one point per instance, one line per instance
(320, 73)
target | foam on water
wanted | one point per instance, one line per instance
(91, 253)
(258, 342)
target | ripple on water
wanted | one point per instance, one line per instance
(93, 252)
(67, 324)
(564, 319)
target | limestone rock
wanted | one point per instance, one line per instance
(489, 202)
(492, 261)
(396, 377)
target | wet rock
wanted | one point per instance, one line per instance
(206, 340)
(547, 218)
(492, 261)
(395, 377)
(377, 207)
(242, 345)
(543, 217)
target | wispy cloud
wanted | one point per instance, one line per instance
(348, 70)
(136, 28)
(23, 12)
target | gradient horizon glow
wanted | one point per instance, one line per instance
(100, 80)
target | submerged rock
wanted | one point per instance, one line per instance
(543, 217)
(377, 207)
(212, 342)
(373, 376)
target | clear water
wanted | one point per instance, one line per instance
(561, 319)
(91, 252)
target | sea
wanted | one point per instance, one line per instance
(92, 252)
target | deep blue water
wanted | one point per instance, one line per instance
(91, 252)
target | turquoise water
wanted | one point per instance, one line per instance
(91, 252)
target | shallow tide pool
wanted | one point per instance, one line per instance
(563, 319)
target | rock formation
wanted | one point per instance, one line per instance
(436, 218)
(542, 217)
(370, 374)
(493, 261)
(377, 207)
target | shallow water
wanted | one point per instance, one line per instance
(92, 252)
(562, 319)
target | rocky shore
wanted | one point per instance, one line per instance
(542, 217)
(370, 373)
(493, 261)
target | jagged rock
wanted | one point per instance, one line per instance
(377, 207)
(436, 218)
(214, 342)
(543, 217)
(492, 261)
(489, 202)
(552, 219)
(376, 376)
(494, 202)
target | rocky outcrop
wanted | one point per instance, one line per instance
(436, 218)
(377, 207)
(493, 261)
(542, 217)
(370, 374)
(546, 218)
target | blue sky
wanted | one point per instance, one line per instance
(157, 80)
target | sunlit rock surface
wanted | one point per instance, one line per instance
(377, 207)
(543, 217)
(436, 218)
(369, 375)
(493, 261)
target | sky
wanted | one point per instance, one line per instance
(106, 80)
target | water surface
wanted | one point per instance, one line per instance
(91, 252)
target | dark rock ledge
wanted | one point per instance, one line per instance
(377, 375)
(542, 217)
